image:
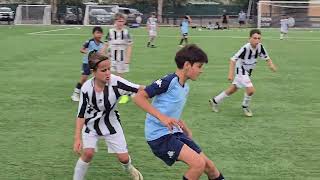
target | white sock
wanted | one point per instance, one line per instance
(128, 166)
(218, 99)
(76, 90)
(246, 100)
(281, 36)
(80, 170)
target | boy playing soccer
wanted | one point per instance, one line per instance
(169, 137)
(92, 44)
(242, 63)
(184, 28)
(119, 42)
(152, 28)
(284, 26)
(98, 117)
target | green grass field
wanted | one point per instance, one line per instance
(281, 141)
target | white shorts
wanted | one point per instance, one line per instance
(116, 143)
(119, 67)
(242, 81)
(153, 33)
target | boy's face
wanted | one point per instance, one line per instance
(255, 39)
(194, 71)
(119, 23)
(97, 35)
(103, 72)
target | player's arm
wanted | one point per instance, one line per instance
(84, 48)
(77, 146)
(128, 55)
(271, 65)
(185, 129)
(231, 69)
(104, 49)
(141, 100)
(189, 19)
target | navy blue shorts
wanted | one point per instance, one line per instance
(168, 147)
(85, 69)
(185, 35)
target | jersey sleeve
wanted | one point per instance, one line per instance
(108, 38)
(86, 44)
(263, 53)
(126, 87)
(157, 87)
(239, 55)
(83, 102)
(129, 38)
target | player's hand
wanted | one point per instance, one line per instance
(169, 122)
(186, 130)
(273, 68)
(77, 146)
(230, 77)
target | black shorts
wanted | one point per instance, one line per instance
(185, 35)
(225, 21)
(168, 147)
(85, 69)
(241, 22)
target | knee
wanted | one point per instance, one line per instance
(251, 92)
(87, 155)
(200, 164)
(124, 158)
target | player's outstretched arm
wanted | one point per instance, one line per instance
(84, 50)
(77, 146)
(231, 70)
(271, 65)
(104, 49)
(141, 100)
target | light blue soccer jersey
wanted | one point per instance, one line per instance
(169, 98)
(91, 45)
(184, 26)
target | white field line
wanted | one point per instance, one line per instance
(177, 36)
(53, 30)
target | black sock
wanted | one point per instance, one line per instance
(184, 178)
(181, 41)
(148, 43)
(218, 178)
(78, 86)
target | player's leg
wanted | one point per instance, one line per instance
(149, 42)
(89, 146)
(117, 144)
(215, 101)
(246, 101)
(195, 162)
(211, 170)
(181, 40)
(84, 77)
(153, 41)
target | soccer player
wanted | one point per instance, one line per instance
(167, 135)
(284, 26)
(119, 43)
(99, 119)
(243, 63)
(92, 44)
(242, 18)
(152, 28)
(225, 20)
(184, 28)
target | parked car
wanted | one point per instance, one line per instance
(73, 15)
(130, 13)
(6, 14)
(100, 16)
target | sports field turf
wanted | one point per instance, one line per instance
(282, 140)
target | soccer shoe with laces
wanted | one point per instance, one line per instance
(124, 99)
(214, 106)
(247, 112)
(75, 97)
(135, 174)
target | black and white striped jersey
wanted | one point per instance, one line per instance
(246, 58)
(99, 108)
(118, 41)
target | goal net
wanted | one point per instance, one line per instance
(99, 14)
(33, 14)
(306, 14)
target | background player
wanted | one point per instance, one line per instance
(184, 28)
(119, 45)
(243, 63)
(284, 26)
(169, 137)
(98, 117)
(92, 44)
(152, 26)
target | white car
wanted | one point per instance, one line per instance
(6, 14)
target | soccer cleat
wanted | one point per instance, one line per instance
(247, 111)
(153, 46)
(135, 174)
(181, 45)
(124, 99)
(75, 97)
(214, 106)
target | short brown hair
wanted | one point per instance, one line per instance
(94, 58)
(255, 31)
(192, 54)
(118, 16)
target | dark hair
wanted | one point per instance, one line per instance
(97, 29)
(94, 58)
(255, 31)
(192, 54)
